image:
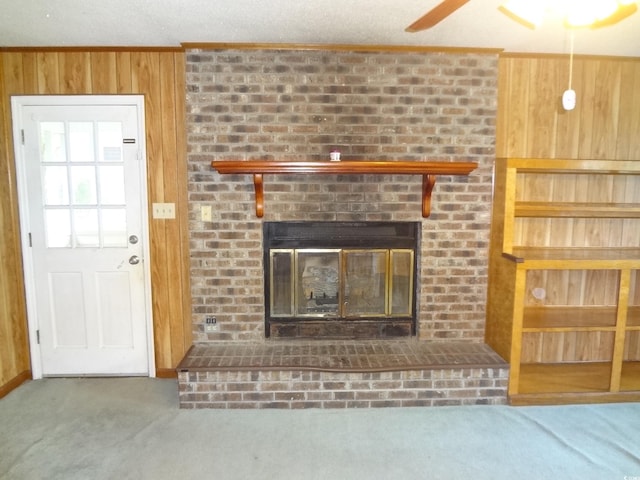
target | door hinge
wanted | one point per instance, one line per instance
(22, 136)
(38, 337)
(30, 242)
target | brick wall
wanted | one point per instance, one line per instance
(301, 389)
(297, 105)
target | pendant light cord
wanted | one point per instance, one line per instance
(572, 39)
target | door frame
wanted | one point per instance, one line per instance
(17, 104)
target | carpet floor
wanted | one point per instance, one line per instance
(131, 428)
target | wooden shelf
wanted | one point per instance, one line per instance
(576, 258)
(553, 384)
(630, 378)
(555, 166)
(569, 318)
(577, 210)
(428, 170)
(586, 345)
(565, 377)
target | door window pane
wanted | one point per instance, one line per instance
(83, 185)
(114, 227)
(110, 141)
(85, 224)
(58, 228)
(81, 147)
(52, 142)
(55, 185)
(111, 180)
(80, 181)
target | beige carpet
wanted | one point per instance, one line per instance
(131, 428)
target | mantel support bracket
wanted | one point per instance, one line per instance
(258, 184)
(428, 182)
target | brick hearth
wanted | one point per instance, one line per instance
(341, 374)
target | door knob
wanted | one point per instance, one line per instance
(133, 239)
(134, 260)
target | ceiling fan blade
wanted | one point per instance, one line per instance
(436, 15)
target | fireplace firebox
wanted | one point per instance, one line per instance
(340, 279)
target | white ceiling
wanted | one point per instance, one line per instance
(137, 23)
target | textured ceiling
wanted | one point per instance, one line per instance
(67, 23)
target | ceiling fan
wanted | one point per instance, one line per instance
(529, 13)
(436, 15)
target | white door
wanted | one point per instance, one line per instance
(82, 188)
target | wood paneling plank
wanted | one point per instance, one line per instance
(75, 72)
(14, 353)
(543, 119)
(124, 76)
(606, 108)
(48, 74)
(13, 77)
(568, 129)
(628, 146)
(587, 96)
(103, 73)
(169, 105)
(30, 69)
(632, 346)
(504, 108)
(517, 125)
(180, 90)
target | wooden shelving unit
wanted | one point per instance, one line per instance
(428, 170)
(564, 279)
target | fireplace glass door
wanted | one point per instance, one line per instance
(341, 283)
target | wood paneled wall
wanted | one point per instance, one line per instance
(158, 75)
(532, 123)
(604, 125)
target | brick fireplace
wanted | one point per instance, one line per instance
(294, 105)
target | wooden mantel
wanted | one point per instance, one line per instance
(428, 170)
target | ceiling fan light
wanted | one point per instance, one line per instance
(625, 9)
(528, 13)
(584, 13)
(576, 13)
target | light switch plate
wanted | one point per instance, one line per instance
(205, 213)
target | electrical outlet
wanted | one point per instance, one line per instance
(164, 210)
(210, 324)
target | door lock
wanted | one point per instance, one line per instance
(134, 260)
